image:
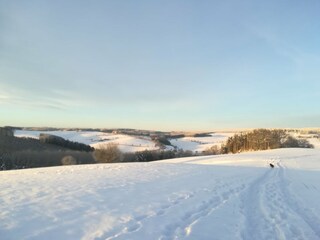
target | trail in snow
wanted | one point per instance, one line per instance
(273, 212)
(219, 197)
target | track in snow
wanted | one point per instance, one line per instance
(196, 205)
(271, 211)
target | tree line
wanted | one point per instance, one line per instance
(110, 153)
(47, 158)
(19, 153)
(59, 141)
(262, 139)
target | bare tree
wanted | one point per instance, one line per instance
(69, 160)
(108, 153)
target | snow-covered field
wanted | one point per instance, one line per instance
(128, 143)
(211, 197)
(200, 144)
(125, 143)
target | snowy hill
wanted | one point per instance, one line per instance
(200, 144)
(128, 143)
(211, 197)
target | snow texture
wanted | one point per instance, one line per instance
(211, 197)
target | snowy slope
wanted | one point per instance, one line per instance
(211, 197)
(126, 143)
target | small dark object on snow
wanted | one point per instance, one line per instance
(271, 165)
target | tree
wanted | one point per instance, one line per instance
(258, 139)
(108, 154)
(68, 160)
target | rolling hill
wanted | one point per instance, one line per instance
(131, 143)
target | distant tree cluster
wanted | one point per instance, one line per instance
(111, 154)
(261, 139)
(59, 141)
(213, 150)
(154, 155)
(161, 141)
(6, 132)
(292, 142)
(14, 144)
(108, 154)
(202, 135)
(18, 153)
(47, 158)
(175, 135)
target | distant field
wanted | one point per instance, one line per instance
(129, 143)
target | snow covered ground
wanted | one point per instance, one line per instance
(128, 143)
(210, 197)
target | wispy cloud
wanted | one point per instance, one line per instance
(283, 46)
(25, 98)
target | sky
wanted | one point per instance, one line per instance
(162, 65)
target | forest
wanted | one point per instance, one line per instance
(262, 139)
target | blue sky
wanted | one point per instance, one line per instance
(168, 65)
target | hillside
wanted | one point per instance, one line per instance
(135, 143)
(16, 153)
(212, 197)
(131, 143)
(14, 144)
